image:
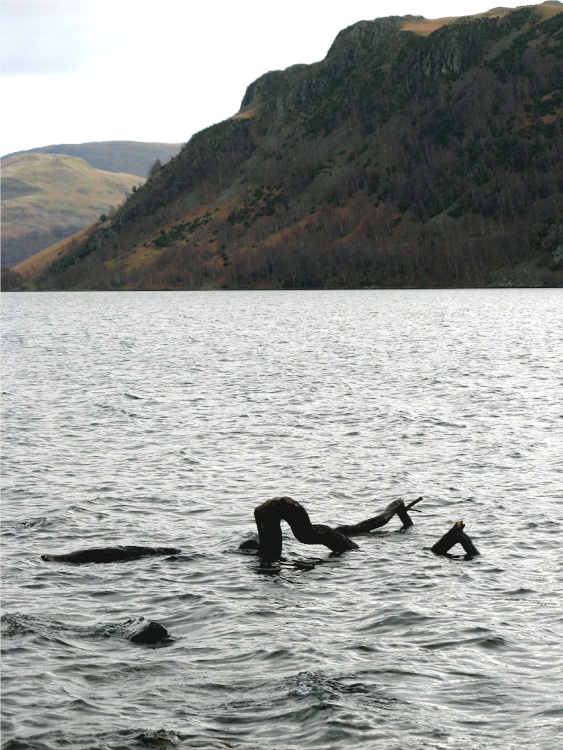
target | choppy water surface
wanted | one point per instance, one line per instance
(165, 418)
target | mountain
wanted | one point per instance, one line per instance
(417, 153)
(128, 157)
(46, 198)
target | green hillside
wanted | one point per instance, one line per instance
(415, 154)
(46, 198)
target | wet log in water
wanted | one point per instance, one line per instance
(268, 518)
(456, 535)
(269, 515)
(110, 554)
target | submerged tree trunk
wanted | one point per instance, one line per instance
(456, 535)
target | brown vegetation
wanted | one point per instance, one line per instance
(35, 265)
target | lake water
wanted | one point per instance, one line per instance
(165, 418)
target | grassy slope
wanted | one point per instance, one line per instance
(68, 187)
(63, 192)
(38, 262)
(425, 26)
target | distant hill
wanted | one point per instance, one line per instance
(129, 157)
(35, 210)
(46, 198)
(416, 154)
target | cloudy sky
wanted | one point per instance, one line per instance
(95, 70)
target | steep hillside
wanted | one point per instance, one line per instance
(46, 198)
(415, 154)
(128, 157)
(15, 276)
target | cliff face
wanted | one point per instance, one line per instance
(416, 153)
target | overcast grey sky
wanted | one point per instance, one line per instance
(94, 70)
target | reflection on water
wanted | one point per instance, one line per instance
(165, 418)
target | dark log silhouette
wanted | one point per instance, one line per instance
(456, 535)
(110, 554)
(269, 515)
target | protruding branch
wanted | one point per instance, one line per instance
(456, 535)
(397, 507)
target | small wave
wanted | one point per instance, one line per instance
(339, 495)
(163, 738)
(345, 689)
(32, 523)
(484, 639)
(552, 711)
(189, 459)
(392, 622)
(130, 739)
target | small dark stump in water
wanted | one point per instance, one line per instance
(140, 630)
(456, 535)
(110, 554)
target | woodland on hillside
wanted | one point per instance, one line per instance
(399, 160)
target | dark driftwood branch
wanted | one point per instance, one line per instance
(110, 554)
(270, 514)
(456, 535)
(396, 507)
